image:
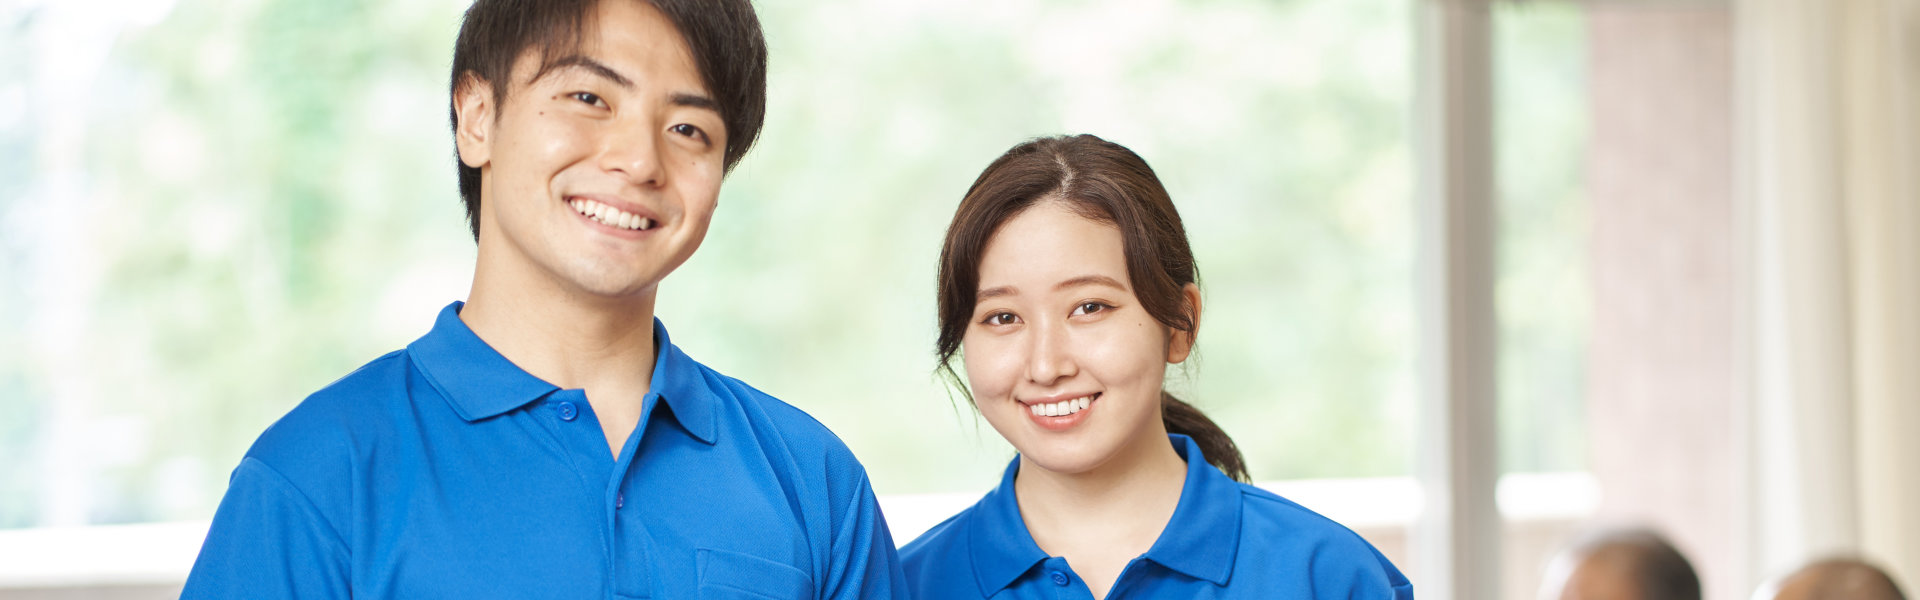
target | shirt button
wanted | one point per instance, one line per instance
(620, 501)
(568, 411)
(1060, 578)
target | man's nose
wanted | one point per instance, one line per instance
(633, 151)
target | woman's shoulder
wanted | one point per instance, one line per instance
(942, 543)
(1285, 528)
(939, 563)
(1263, 507)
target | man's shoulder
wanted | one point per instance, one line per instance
(383, 377)
(319, 447)
(797, 428)
(343, 414)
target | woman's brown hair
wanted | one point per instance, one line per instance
(1105, 182)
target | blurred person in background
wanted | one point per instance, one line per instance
(1067, 285)
(1833, 579)
(1621, 564)
(545, 439)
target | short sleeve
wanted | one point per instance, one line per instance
(1365, 576)
(865, 563)
(269, 541)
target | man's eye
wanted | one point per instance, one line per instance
(689, 131)
(587, 97)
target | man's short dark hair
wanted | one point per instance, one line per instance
(723, 36)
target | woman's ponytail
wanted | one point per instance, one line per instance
(1184, 419)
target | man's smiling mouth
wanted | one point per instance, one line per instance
(610, 216)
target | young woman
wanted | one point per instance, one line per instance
(1068, 282)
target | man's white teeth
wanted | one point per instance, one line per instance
(610, 215)
(1062, 408)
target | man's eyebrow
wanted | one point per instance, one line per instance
(695, 101)
(588, 64)
(595, 67)
(1091, 280)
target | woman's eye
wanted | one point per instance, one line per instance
(588, 97)
(688, 130)
(1087, 308)
(1001, 318)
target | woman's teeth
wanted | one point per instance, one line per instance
(609, 215)
(1062, 408)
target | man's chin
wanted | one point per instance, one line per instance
(617, 292)
(614, 287)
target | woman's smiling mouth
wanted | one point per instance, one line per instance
(1060, 415)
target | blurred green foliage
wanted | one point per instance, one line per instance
(269, 201)
(1544, 285)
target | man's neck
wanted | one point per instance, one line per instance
(566, 337)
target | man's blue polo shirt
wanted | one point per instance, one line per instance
(1226, 540)
(444, 471)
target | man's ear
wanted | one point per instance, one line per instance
(1181, 346)
(474, 106)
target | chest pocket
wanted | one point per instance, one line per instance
(734, 576)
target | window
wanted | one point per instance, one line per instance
(237, 206)
(211, 211)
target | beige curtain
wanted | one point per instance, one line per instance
(1829, 132)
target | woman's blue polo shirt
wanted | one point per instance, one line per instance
(444, 471)
(1226, 540)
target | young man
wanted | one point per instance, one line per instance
(546, 439)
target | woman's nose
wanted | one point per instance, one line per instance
(1051, 357)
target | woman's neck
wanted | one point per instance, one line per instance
(1103, 518)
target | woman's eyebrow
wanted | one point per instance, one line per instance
(994, 292)
(1007, 290)
(1090, 280)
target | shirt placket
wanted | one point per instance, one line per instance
(580, 433)
(631, 544)
(1062, 581)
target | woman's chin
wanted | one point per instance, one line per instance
(1064, 457)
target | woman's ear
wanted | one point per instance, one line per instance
(474, 108)
(1181, 346)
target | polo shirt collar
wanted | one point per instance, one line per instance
(1203, 537)
(683, 384)
(1002, 548)
(479, 383)
(1200, 541)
